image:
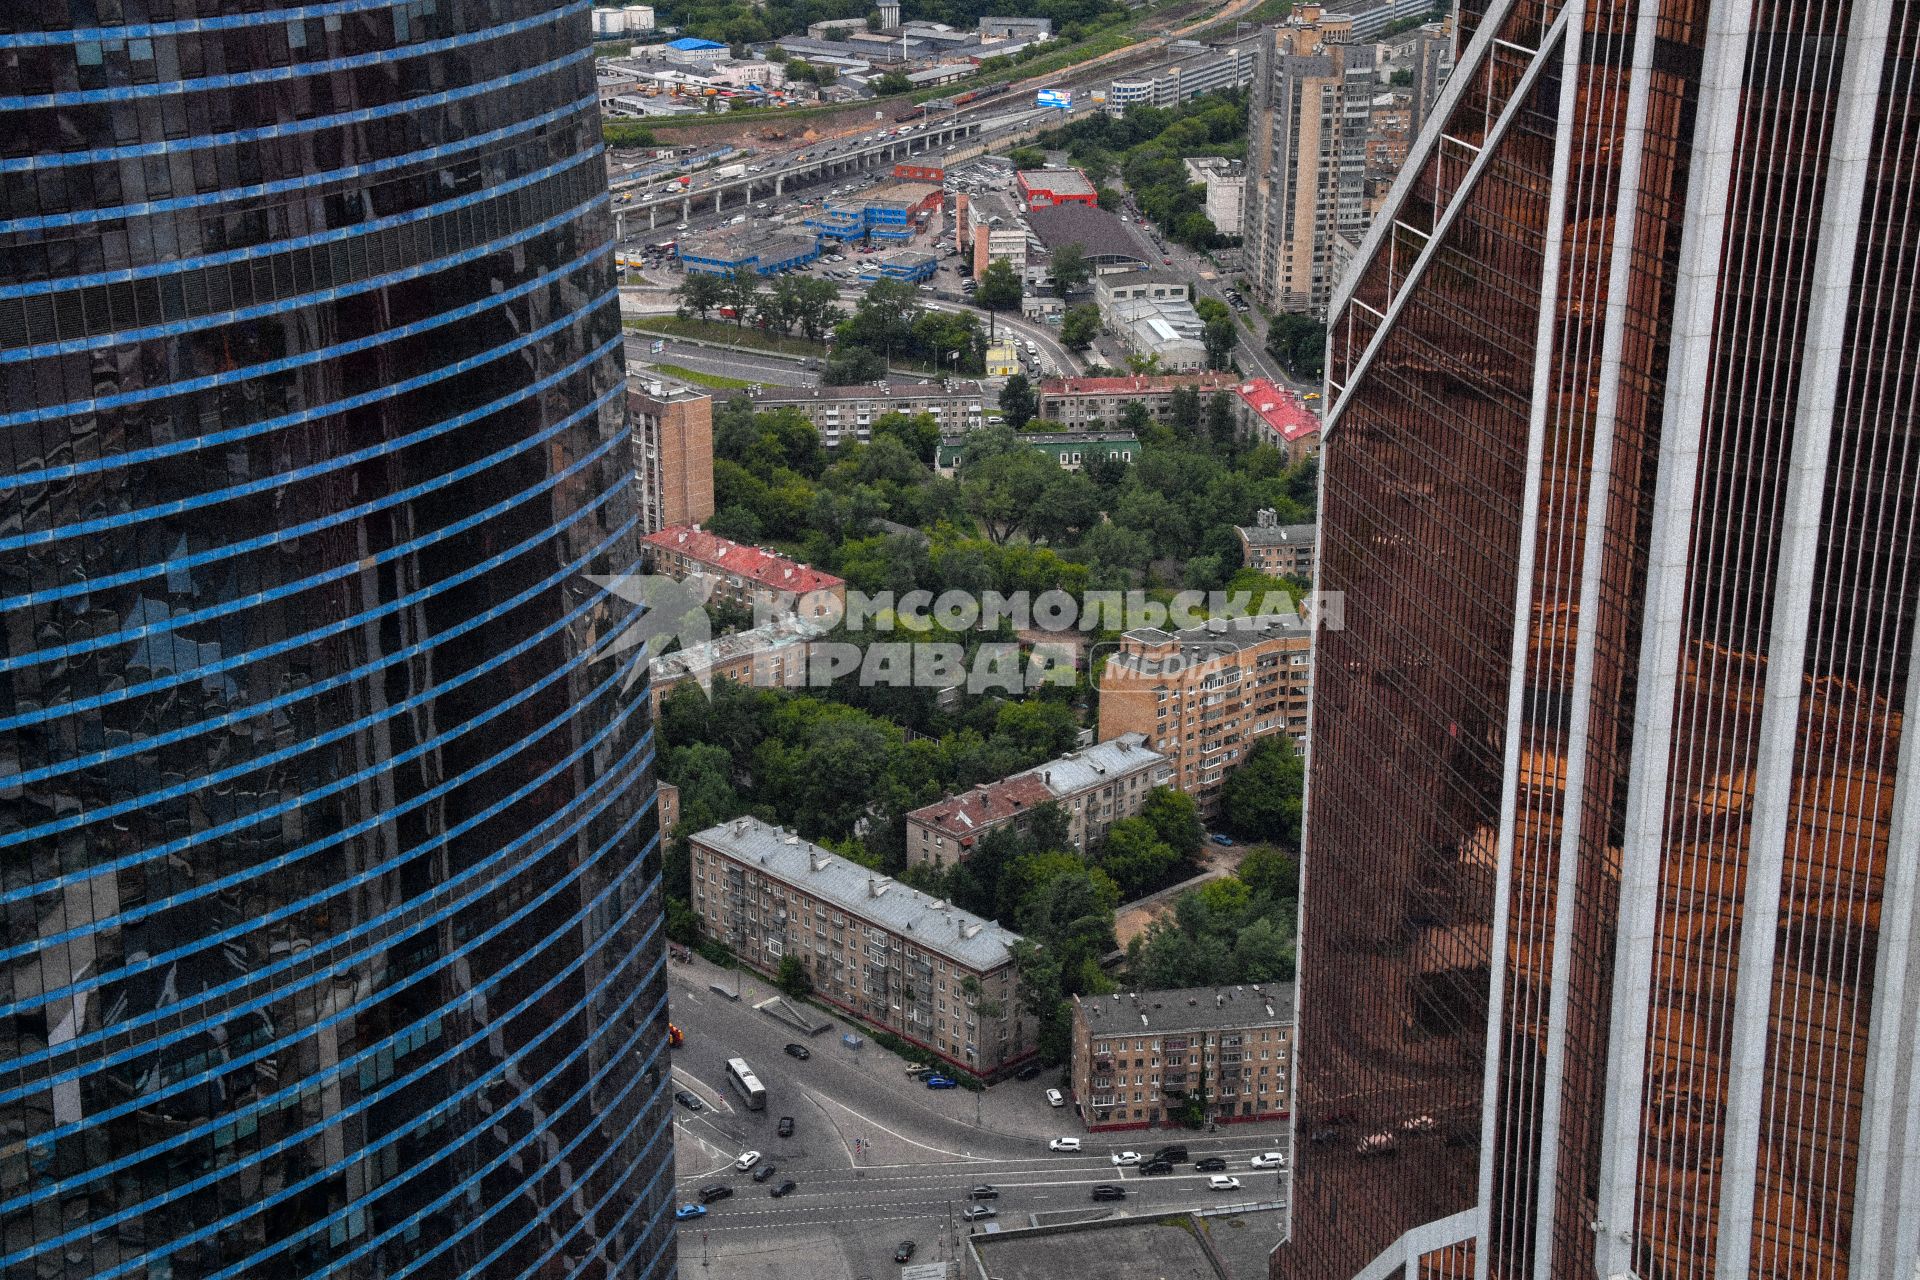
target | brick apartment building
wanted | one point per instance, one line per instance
(746, 576)
(1279, 550)
(1275, 415)
(1204, 695)
(889, 955)
(1095, 787)
(1102, 402)
(1137, 1058)
(672, 453)
(843, 415)
(770, 656)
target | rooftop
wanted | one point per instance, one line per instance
(1136, 385)
(1174, 652)
(753, 563)
(1095, 230)
(1267, 531)
(1188, 1009)
(690, 43)
(868, 391)
(778, 634)
(1075, 771)
(1280, 409)
(744, 243)
(1061, 182)
(929, 922)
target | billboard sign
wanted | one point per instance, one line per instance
(1060, 98)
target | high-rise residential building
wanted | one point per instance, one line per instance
(331, 930)
(1611, 815)
(672, 454)
(1307, 156)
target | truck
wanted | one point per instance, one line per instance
(731, 171)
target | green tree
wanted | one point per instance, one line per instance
(1175, 819)
(1071, 267)
(1017, 401)
(1000, 288)
(1028, 157)
(1220, 424)
(1003, 491)
(1079, 326)
(1299, 343)
(1137, 859)
(793, 978)
(1268, 873)
(700, 293)
(918, 433)
(1041, 730)
(741, 291)
(1261, 799)
(891, 83)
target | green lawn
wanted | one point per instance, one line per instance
(711, 381)
(725, 331)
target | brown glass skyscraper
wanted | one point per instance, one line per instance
(1609, 913)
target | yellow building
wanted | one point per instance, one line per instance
(1002, 362)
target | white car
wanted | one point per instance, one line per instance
(1270, 1160)
(1221, 1182)
(747, 1160)
(1055, 1098)
(1064, 1144)
(1126, 1157)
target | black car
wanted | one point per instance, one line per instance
(1108, 1191)
(984, 1192)
(905, 1252)
(1157, 1166)
(1029, 1071)
(764, 1172)
(799, 1051)
(687, 1100)
(786, 1126)
(718, 1191)
(784, 1189)
(1172, 1155)
(1212, 1164)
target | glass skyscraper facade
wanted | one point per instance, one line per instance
(1608, 937)
(329, 873)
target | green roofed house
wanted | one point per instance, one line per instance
(1070, 450)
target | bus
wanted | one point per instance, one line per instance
(746, 1084)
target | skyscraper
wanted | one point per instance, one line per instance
(1608, 932)
(327, 851)
(1307, 155)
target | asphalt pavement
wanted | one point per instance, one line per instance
(879, 1158)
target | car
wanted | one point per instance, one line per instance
(1108, 1191)
(1311, 395)
(1157, 1166)
(1166, 262)
(717, 1191)
(1211, 1164)
(747, 1160)
(764, 1172)
(799, 1051)
(686, 1211)
(687, 1100)
(1221, 1182)
(1173, 1152)
(786, 1188)
(904, 1252)
(1064, 1144)
(984, 1191)
(1028, 1072)
(1220, 837)
(786, 1126)
(1269, 1160)
(920, 1070)
(1055, 1099)
(1126, 1157)
(975, 1212)
(941, 1082)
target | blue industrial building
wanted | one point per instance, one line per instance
(890, 211)
(333, 907)
(732, 252)
(910, 265)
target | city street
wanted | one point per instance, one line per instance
(879, 1158)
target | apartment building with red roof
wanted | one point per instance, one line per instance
(751, 577)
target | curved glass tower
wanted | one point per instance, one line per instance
(331, 933)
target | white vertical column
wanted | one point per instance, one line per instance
(1800, 538)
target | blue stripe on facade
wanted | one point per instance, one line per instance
(112, 696)
(661, 1218)
(280, 75)
(174, 1194)
(186, 386)
(213, 555)
(180, 328)
(305, 182)
(239, 824)
(227, 257)
(198, 142)
(280, 480)
(39, 1144)
(366, 928)
(190, 26)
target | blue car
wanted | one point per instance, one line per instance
(1219, 838)
(686, 1211)
(939, 1082)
